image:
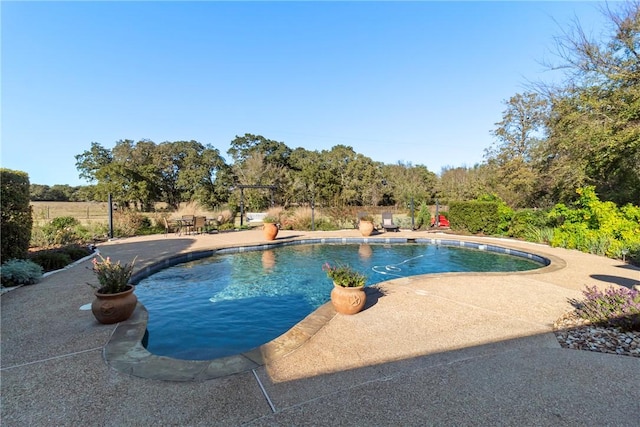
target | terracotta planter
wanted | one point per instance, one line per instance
(270, 230)
(366, 227)
(348, 300)
(114, 308)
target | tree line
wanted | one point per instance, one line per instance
(552, 140)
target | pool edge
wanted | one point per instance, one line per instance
(125, 352)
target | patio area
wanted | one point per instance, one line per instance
(440, 349)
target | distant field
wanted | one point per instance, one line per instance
(85, 212)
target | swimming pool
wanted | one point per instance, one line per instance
(229, 303)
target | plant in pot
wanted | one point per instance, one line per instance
(365, 225)
(115, 300)
(347, 295)
(270, 227)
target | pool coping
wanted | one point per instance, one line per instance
(125, 351)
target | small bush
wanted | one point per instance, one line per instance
(423, 217)
(226, 226)
(524, 220)
(538, 235)
(51, 260)
(323, 224)
(615, 306)
(77, 252)
(60, 231)
(19, 272)
(62, 222)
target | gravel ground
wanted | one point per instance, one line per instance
(576, 333)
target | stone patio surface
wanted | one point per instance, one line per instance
(433, 350)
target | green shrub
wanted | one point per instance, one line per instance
(323, 224)
(524, 220)
(15, 214)
(51, 260)
(60, 231)
(57, 258)
(597, 227)
(62, 222)
(77, 252)
(479, 217)
(422, 219)
(226, 226)
(128, 223)
(147, 227)
(537, 234)
(19, 272)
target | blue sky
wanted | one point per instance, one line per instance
(418, 82)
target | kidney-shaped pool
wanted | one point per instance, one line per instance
(230, 303)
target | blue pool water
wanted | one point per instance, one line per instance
(230, 303)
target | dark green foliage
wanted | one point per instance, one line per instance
(147, 228)
(323, 224)
(423, 217)
(51, 260)
(19, 272)
(76, 252)
(524, 220)
(475, 217)
(57, 258)
(16, 220)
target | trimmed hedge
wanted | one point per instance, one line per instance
(475, 217)
(15, 211)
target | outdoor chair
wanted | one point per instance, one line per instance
(166, 227)
(387, 222)
(198, 224)
(187, 223)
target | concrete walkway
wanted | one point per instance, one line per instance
(442, 349)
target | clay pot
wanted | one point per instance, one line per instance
(270, 231)
(366, 227)
(348, 300)
(114, 308)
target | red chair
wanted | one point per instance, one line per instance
(442, 221)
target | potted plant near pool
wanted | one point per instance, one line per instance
(347, 295)
(115, 300)
(270, 227)
(365, 225)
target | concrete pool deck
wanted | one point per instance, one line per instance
(441, 349)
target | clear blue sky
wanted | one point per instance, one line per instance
(419, 82)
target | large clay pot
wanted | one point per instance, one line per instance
(348, 300)
(366, 227)
(114, 308)
(270, 230)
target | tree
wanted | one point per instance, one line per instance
(513, 157)
(594, 125)
(462, 183)
(143, 173)
(274, 152)
(404, 182)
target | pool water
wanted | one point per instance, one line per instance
(231, 303)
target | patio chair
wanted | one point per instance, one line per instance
(387, 222)
(199, 223)
(166, 227)
(187, 223)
